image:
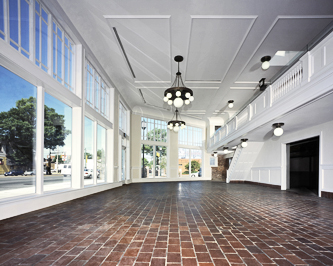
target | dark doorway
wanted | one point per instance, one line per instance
(304, 165)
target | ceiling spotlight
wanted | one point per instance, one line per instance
(230, 103)
(244, 143)
(225, 149)
(215, 153)
(178, 94)
(265, 62)
(278, 131)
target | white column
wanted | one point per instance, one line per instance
(40, 140)
(95, 153)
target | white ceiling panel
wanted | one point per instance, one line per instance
(298, 30)
(214, 43)
(146, 42)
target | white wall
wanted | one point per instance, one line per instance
(270, 165)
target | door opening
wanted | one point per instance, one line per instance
(304, 165)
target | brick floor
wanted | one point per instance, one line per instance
(185, 223)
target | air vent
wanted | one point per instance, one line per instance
(123, 50)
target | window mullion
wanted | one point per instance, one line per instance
(32, 32)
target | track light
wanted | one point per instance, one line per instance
(244, 143)
(278, 131)
(230, 103)
(265, 62)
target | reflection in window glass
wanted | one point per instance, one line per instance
(88, 151)
(17, 135)
(147, 161)
(57, 144)
(101, 151)
(183, 162)
(160, 161)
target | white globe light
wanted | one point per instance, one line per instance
(187, 95)
(178, 93)
(169, 95)
(265, 65)
(187, 102)
(278, 131)
(225, 151)
(244, 144)
(191, 99)
(178, 102)
(176, 124)
(215, 154)
(169, 126)
(176, 128)
(165, 99)
(169, 102)
(184, 126)
(230, 105)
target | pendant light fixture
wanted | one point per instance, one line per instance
(178, 94)
(176, 124)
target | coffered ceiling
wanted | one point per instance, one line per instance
(221, 41)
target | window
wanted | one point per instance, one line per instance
(19, 25)
(101, 151)
(122, 117)
(41, 36)
(97, 93)
(57, 144)
(88, 151)
(190, 162)
(62, 54)
(191, 136)
(2, 19)
(156, 130)
(17, 134)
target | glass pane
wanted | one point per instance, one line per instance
(123, 163)
(44, 15)
(13, 20)
(196, 159)
(88, 151)
(59, 59)
(25, 25)
(161, 161)
(101, 151)
(37, 7)
(2, 18)
(37, 36)
(57, 144)
(44, 43)
(147, 161)
(17, 135)
(66, 64)
(183, 162)
(54, 54)
(70, 70)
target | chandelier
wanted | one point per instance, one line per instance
(178, 94)
(176, 124)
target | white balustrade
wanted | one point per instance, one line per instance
(287, 82)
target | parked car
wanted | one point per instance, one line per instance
(87, 173)
(29, 172)
(14, 173)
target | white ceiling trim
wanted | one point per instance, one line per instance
(253, 18)
(269, 31)
(135, 16)
(243, 88)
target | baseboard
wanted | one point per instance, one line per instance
(175, 179)
(328, 195)
(255, 183)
